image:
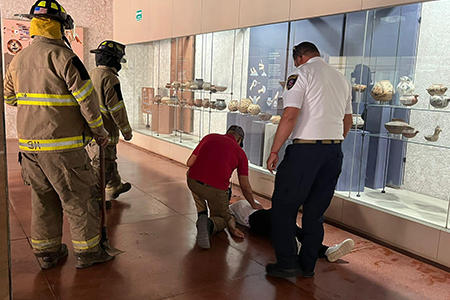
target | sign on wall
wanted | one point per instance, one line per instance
(16, 37)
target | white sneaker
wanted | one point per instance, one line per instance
(337, 251)
(299, 246)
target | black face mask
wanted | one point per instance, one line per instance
(104, 59)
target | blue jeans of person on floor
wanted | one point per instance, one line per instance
(306, 176)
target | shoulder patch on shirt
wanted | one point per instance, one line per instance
(76, 62)
(291, 81)
(118, 91)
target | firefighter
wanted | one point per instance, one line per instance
(108, 58)
(57, 116)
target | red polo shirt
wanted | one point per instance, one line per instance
(217, 157)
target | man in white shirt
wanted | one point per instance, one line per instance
(317, 117)
(258, 220)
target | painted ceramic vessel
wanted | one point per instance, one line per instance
(206, 103)
(405, 86)
(165, 100)
(221, 88)
(409, 100)
(396, 126)
(254, 109)
(436, 89)
(382, 91)
(213, 104)
(265, 116)
(360, 88)
(243, 106)
(221, 104)
(439, 101)
(275, 119)
(206, 86)
(435, 136)
(358, 121)
(233, 105)
(191, 102)
(176, 84)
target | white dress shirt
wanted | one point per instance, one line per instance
(323, 96)
(241, 210)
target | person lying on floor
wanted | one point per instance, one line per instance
(258, 220)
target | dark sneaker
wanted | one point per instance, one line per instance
(275, 271)
(86, 260)
(49, 260)
(125, 187)
(202, 232)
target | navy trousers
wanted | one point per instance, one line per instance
(306, 176)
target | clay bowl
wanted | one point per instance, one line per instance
(409, 100)
(265, 116)
(198, 102)
(221, 88)
(409, 132)
(396, 126)
(359, 88)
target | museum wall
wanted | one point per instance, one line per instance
(94, 16)
(427, 168)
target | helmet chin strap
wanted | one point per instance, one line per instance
(64, 38)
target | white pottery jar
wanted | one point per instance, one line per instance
(405, 86)
(382, 91)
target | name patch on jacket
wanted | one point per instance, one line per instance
(76, 62)
(291, 81)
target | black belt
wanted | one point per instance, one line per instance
(300, 141)
(198, 181)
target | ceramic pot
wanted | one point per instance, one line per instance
(206, 103)
(405, 86)
(176, 84)
(199, 83)
(183, 102)
(221, 104)
(193, 86)
(436, 89)
(275, 119)
(439, 101)
(409, 100)
(165, 100)
(382, 91)
(254, 109)
(168, 85)
(206, 86)
(191, 102)
(243, 106)
(198, 102)
(396, 126)
(157, 99)
(434, 137)
(265, 116)
(409, 132)
(213, 104)
(233, 105)
(358, 122)
(360, 88)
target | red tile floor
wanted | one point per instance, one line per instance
(154, 224)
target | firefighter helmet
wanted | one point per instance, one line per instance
(50, 9)
(112, 48)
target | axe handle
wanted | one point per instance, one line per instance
(102, 187)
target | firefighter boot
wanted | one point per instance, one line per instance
(50, 259)
(86, 260)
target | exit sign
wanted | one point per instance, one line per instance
(139, 15)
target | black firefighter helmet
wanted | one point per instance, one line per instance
(112, 48)
(50, 9)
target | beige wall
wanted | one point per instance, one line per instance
(95, 16)
(164, 19)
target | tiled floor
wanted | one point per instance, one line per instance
(155, 225)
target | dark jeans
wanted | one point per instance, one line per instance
(307, 176)
(260, 224)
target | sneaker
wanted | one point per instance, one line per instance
(86, 260)
(125, 187)
(202, 232)
(49, 260)
(337, 251)
(275, 271)
(299, 246)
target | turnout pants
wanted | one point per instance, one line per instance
(62, 182)
(307, 176)
(217, 202)
(112, 177)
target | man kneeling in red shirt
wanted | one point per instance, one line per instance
(210, 167)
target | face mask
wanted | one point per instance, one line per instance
(45, 27)
(104, 59)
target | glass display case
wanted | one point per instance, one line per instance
(396, 156)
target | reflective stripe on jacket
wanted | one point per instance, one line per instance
(57, 109)
(107, 87)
